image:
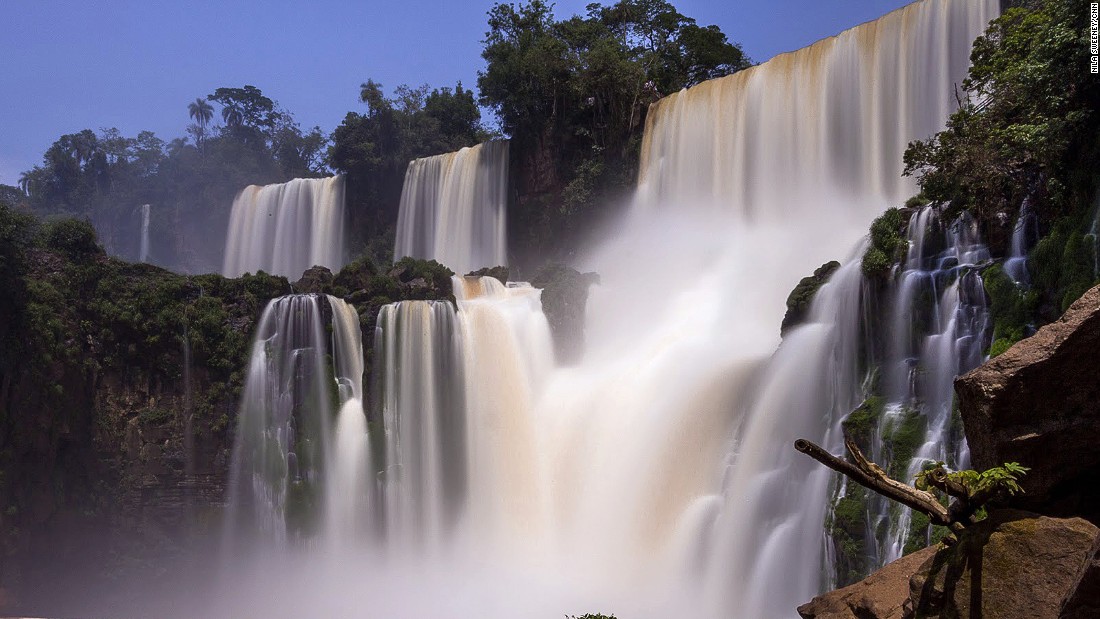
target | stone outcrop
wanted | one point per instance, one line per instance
(1038, 404)
(1013, 564)
(564, 298)
(802, 297)
(315, 279)
(884, 594)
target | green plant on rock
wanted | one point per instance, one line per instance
(998, 481)
(887, 241)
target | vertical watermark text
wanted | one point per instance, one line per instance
(1094, 39)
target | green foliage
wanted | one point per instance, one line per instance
(72, 237)
(902, 437)
(373, 149)
(1027, 122)
(1001, 480)
(887, 241)
(861, 423)
(1062, 263)
(1011, 307)
(573, 95)
(847, 527)
(802, 297)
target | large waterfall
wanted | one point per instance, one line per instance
(453, 208)
(657, 477)
(287, 228)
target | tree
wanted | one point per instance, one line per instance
(370, 92)
(201, 112)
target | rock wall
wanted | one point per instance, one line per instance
(1038, 404)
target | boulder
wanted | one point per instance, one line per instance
(1038, 403)
(564, 298)
(500, 272)
(1013, 564)
(1083, 602)
(884, 594)
(802, 297)
(315, 279)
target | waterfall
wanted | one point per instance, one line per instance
(657, 476)
(287, 228)
(1024, 236)
(284, 432)
(143, 253)
(418, 358)
(939, 328)
(453, 208)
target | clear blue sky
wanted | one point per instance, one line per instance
(67, 66)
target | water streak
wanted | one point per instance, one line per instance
(453, 208)
(287, 228)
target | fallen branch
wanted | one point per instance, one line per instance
(871, 476)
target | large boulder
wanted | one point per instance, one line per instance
(1038, 404)
(1013, 564)
(564, 298)
(883, 595)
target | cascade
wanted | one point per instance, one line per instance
(284, 431)
(657, 477)
(453, 208)
(1024, 236)
(939, 328)
(287, 228)
(143, 252)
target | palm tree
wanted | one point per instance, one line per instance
(232, 116)
(25, 182)
(370, 92)
(201, 111)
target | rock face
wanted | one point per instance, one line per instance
(315, 279)
(1038, 404)
(1013, 565)
(1084, 601)
(802, 297)
(884, 594)
(564, 297)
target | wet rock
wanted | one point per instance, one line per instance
(564, 298)
(1038, 403)
(501, 273)
(802, 297)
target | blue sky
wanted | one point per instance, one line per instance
(67, 66)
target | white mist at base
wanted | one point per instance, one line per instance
(657, 477)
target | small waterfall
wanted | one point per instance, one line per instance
(419, 364)
(287, 228)
(143, 253)
(940, 328)
(453, 208)
(283, 428)
(1024, 236)
(348, 486)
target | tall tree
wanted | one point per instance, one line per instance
(201, 112)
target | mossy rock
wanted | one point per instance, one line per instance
(801, 298)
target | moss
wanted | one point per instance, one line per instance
(848, 530)
(860, 424)
(1011, 308)
(156, 416)
(801, 298)
(902, 437)
(1063, 263)
(887, 241)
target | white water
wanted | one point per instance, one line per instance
(657, 477)
(1025, 234)
(143, 252)
(287, 228)
(940, 328)
(348, 484)
(453, 208)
